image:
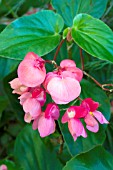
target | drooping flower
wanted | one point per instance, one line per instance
(31, 70)
(3, 167)
(72, 116)
(18, 87)
(63, 84)
(45, 123)
(32, 102)
(93, 115)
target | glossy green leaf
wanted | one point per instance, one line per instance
(85, 144)
(31, 153)
(7, 66)
(68, 9)
(95, 37)
(95, 159)
(38, 33)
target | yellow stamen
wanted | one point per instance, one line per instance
(91, 113)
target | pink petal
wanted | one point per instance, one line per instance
(63, 90)
(18, 87)
(92, 124)
(78, 74)
(30, 73)
(67, 63)
(99, 116)
(49, 76)
(15, 83)
(46, 126)
(90, 120)
(92, 104)
(80, 112)
(31, 55)
(65, 118)
(3, 167)
(32, 106)
(24, 97)
(84, 134)
(76, 128)
(40, 95)
(35, 123)
(94, 128)
(74, 72)
(52, 110)
(27, 118)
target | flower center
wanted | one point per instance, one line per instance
(38, 64)
(71, 114)
(91, 113)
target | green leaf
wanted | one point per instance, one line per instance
(95, 159)
(38, 33)
(10, 165)
(7, 66)
(13, 98)
(95, 37)
(3, 104)
(85, 144)
(68, 9)
(31, 152)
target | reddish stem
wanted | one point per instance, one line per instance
(58, 49)
(82, 59)
(52, 62)
(100, 85)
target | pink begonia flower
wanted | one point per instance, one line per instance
(31, 70)
(89, 119)
(63, 84)
(32, 102)
(18, 87)
(3, 167)
(45, 123)
(72, 116)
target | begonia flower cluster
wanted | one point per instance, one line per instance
(63, 85)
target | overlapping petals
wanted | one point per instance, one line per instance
(31, 70)
(91, 122)
(18, 87)
(45, 123)
(63, 84)
(72, 116)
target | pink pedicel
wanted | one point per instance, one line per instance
(45, 123)
(72, 116)
(3, 167)
(93, 115)
(63, 84)
(18, 87)
(31, 70)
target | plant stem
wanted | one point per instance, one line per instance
(58, 49)
(82, 59)
(52, 62)
(100, 85)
